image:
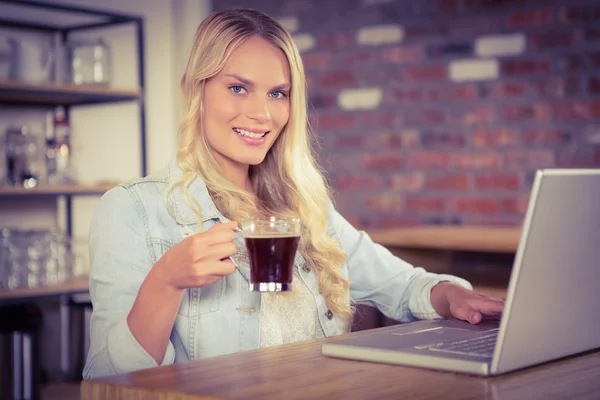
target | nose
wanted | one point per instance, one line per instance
(257, 108)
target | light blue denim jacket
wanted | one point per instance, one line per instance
(132, 229)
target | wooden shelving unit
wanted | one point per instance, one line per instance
(58, 22)
(65, 94)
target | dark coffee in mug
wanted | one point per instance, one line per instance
(271, 257)
(271, 245)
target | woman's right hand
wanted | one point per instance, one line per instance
(200, 259)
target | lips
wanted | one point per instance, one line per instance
(254, 137)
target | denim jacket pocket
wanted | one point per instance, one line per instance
(200, 300)
(186, 304)
(210, 297)
(160, 247)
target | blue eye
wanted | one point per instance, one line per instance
(278, 94)
(237, 89)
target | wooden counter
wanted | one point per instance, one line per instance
(300, 371)
(459, 238)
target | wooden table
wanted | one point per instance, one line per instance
(300, 371)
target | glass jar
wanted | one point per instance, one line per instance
(89, 63)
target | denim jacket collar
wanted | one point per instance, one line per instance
(183, 213)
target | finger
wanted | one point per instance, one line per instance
(218, 252)
(475, 318)
(217, 268)
(485, 309)
(231, 225)
(211, 238)
(218, 227)
(490, 306)
(467, 313)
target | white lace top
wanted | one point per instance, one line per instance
(292, 316)
(289, 317)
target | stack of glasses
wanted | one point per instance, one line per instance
(30, 259)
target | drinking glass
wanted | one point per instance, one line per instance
(271, 244)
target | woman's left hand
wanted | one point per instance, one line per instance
(453, 301)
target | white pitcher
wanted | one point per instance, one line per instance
(30, 61)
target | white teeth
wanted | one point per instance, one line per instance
(251, 135)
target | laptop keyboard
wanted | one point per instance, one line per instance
(482, 346)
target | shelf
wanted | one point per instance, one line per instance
(78, 284)
(49, 16)
(62, 190)
(68, 94)
(457, 238)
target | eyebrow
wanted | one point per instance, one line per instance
(250, 83)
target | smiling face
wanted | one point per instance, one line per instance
(246, 105)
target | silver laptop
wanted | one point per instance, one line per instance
(552, 302)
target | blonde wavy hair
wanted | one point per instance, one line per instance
(288, 182)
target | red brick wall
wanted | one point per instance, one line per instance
(433, 140)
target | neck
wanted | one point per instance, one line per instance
(236, 173)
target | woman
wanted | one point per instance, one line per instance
(162, 283)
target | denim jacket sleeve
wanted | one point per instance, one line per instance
(379, 279)
(120, 259)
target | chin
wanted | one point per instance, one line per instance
(251, 160)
